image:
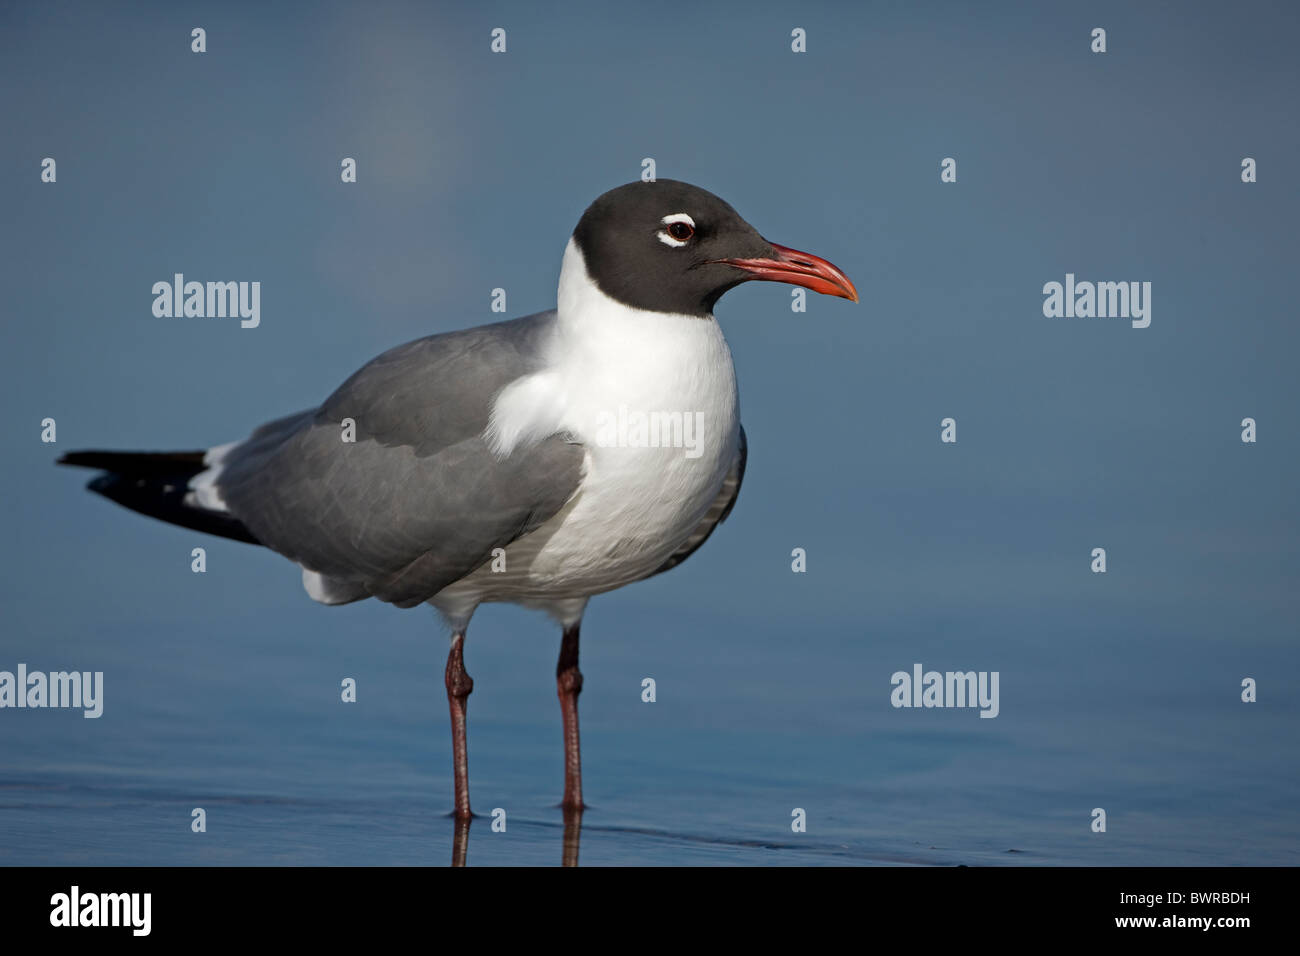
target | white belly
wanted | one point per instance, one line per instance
(635, 509)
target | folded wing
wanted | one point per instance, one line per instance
(417, 500)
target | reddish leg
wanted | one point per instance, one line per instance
(459, 685)
(568, 682)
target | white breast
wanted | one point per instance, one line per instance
(652, 397)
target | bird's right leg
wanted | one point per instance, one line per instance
(459, 685)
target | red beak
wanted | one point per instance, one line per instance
(798, 268)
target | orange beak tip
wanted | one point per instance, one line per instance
(801, 269)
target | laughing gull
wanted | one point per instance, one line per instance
(485, 464)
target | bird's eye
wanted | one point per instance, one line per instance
(677, 229)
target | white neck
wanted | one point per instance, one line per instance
(606, 354)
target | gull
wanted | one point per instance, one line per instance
(538, 461)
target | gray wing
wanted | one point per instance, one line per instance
(717, 512)
(418, 500)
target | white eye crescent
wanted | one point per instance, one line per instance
(678, 229)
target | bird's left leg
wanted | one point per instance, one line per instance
(568, 683)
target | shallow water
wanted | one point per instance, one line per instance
(240, 713)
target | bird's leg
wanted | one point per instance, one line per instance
(568, 682)
(459, 685)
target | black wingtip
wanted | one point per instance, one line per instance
(166, 499)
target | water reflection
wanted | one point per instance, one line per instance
(572, 836)
(460, 840)
(568, 843)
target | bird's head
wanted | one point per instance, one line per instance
(668, 246)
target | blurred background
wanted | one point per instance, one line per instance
(1118, 690)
